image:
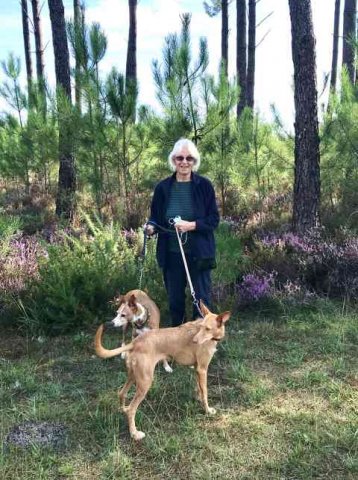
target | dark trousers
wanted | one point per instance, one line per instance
(175, 282)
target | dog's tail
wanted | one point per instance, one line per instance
(103, 352)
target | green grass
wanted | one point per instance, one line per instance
(285, 391)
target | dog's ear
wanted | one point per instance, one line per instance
(204, 309)
(132, 301)
(223, 318)
(117, 300)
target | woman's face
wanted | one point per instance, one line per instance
(184, 162)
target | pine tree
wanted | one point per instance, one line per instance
(241, 53)
(131, 64)
(212, 9)
(26, 35)
(65, 202)
(178, 82)
(349, 37)
(250, 87)
(337, 9)
(77, 32)
(40, 63)
(89, 45)
(307, 157)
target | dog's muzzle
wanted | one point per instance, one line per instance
(109, 325)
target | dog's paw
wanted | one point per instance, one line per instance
(167, 368)
(211, 411)
(137, 436)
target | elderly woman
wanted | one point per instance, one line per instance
(191, 197)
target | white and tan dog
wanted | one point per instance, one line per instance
(193, 343)
(138, 310)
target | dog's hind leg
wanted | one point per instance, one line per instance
(122, 394)
(167, 367)
(131, 410)
(143, 380)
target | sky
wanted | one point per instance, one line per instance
(157, 18)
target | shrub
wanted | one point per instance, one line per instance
(18, 261)
(19, 264)
(311, 262)
(254, 287)
(9, 226)
(231, 260)
(230, 257)
(77, 278)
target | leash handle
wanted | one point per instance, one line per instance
(144, 249)
(142, 258)
(159, 228)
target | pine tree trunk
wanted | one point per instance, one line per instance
(307, 158)
(251, 55)
(224, 35)
(349, 36)
(65, 202)
(337, 9)
(77, 26)
(131, 65)
(241, 55)
(26, 34)
(40, 65)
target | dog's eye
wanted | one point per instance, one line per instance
(208, 328)
(123, 315)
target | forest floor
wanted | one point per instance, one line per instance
(285, 390)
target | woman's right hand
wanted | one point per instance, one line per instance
(149, 229)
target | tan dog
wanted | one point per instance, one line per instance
(137, 309)
(193, 343)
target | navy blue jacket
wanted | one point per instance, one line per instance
(206, 216)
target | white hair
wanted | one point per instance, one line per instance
(178, 147)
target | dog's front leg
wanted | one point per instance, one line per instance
(123, 354)
(198, 395)
(202, 377)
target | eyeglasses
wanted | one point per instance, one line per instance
(180, 158)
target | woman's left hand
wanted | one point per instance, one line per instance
(184, 226)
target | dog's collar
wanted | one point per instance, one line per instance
(142, 319)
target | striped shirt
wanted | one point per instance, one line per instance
(180, 204)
